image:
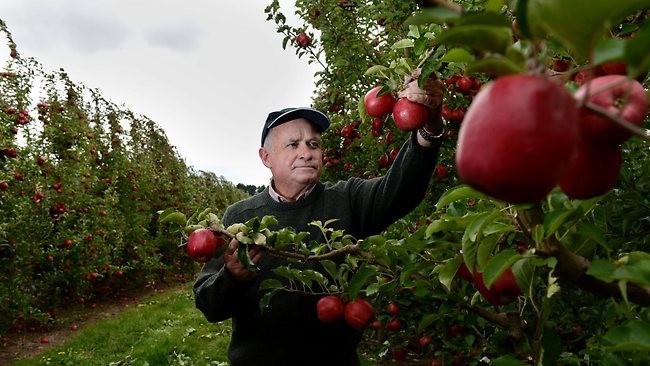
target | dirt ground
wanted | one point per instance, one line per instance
(32, 342)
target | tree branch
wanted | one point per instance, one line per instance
(641, 132)
(348, 249)
(573, 268)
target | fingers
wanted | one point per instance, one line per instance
(235, 267)
(431, 95)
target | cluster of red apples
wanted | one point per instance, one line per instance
(525, 134)
(408, 115)
(358, 313)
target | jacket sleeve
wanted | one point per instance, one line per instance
(379, 202)
(216, 293)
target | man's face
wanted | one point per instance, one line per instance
(293, 153)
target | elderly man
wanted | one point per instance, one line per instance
(288, 332)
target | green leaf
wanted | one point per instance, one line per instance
(552, 346)
(460, 55)
(245, 259)
(485, 249)
(496, 66)
(494, 18)
(271, 283)
(602, 269)
(507, 360)
(427, 320)
(631, 336)
(173, 217)
(636, 52)
(494, 5)
(554, 219)
(447, 272)
(330, 268)
(475, 228)
(638, 272)
(558, 19)
(359, 279)
(611, 49)
(374, 70)
(432, 15)
(266, 299)
(268, 221)
(404, 43)
(477, 37)
(498, 264)
(458, 193)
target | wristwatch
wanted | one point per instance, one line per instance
(431, 137)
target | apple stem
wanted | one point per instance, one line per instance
(639, 131)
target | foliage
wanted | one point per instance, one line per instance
(82, 180)
(581, 264)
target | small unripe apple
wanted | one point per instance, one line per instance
(410, 116)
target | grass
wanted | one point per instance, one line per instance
(164, 329)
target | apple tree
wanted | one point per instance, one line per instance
(81, 182)
(530, 246)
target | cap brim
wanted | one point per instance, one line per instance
(318, 118)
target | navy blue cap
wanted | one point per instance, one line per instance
(318, 118)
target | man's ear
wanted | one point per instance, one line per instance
(264, 156)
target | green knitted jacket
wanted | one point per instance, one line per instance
(288, 332)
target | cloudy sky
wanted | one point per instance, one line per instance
(206, 71)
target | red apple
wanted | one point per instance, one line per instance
(561, 65)
(440, 171)
(392, 308)
(409, 116)
(394, 325)
(399, 354)
(464, 273)
(618, 95)
(384, 161)
(378, 105)
(377, 123)
(517, 138)
(593, 171)
(303, 40)
(614, 68)
(464, 83)
(424, 341)
(329, 309)
(504, 289)
(348, 131)
(203, 244)
(358, 313)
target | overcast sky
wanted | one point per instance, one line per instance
(206, 71)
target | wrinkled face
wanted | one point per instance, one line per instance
(293, 153)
